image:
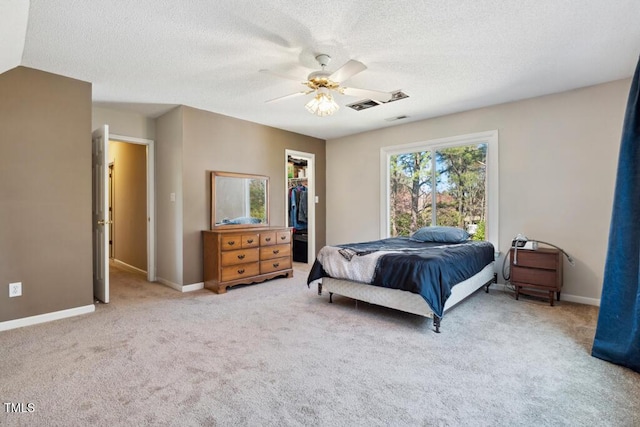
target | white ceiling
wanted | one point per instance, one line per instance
(448, 56)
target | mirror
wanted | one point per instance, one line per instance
(239, 200)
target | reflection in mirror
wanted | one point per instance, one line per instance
(239, 200)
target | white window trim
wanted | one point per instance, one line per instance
(489, 137)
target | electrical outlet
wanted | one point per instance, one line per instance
(15, 289)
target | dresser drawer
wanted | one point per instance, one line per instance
(275, 264)
(250, 240)
(231, 242)
(283, 237)
(237, 241)
(532, 276)
(276, 251)
(240, 256)
(268, 238)
(240, 271)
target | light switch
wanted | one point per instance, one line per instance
(172, 197)
(317, 199)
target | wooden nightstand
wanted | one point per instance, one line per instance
(537, 273)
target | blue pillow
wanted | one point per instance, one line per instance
(441, 234)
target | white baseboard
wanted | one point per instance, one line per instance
(128, 267)
(193, 287)
(563, 296)
(169, 284)
(180, 288)
(580, 300)
(46, 317)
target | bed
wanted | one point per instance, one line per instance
(423, 277)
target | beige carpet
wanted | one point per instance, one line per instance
(277, 354)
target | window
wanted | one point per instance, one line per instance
(451, 181)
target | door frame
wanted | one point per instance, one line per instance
(111, 211)
(311, 197)
(99, 212)
(151, 198)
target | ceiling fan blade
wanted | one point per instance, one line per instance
(369, 94)
(291, 95)
(283, 76)
(348, 70)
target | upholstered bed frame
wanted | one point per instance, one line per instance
(404, 300)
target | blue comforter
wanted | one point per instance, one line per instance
(430, 272)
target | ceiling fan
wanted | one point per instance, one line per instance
(323, 83)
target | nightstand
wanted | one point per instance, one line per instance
(537, 273)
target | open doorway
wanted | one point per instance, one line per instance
(300, 204)
(105, 202)
(147, 200)
(127, 206)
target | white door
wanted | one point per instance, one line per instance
(100, 215)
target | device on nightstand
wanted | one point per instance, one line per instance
(522, 242)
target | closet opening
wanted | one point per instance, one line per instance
(300, 200)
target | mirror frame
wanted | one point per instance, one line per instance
(215, 174)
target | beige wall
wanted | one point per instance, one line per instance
(558, 158)
(124, 123)
(45, 192)
(216, 142)
(129, 203)
(203, 142)
(169, 130)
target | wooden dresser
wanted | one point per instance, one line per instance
(245, 255)
(537, 273)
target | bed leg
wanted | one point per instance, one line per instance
(331, 297)
(436, 323)
(494, 280)
(319, 288)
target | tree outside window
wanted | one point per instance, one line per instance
(443, 186)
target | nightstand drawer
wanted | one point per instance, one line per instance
(532, 276)
(536, 259)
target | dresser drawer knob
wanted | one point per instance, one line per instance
(283, 237)
(249, 240)
(241, 256)
(275, 251)
(268, 239)
(241, 271)
(231, 242)
(276, 264)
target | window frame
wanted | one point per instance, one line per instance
(489, 137)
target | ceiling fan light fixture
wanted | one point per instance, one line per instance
(322, 104)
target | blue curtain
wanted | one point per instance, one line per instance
(617, 337)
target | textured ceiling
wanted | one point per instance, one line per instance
(448, 56)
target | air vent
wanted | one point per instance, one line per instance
(397, 95)
(363, 105)
(369, 103)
